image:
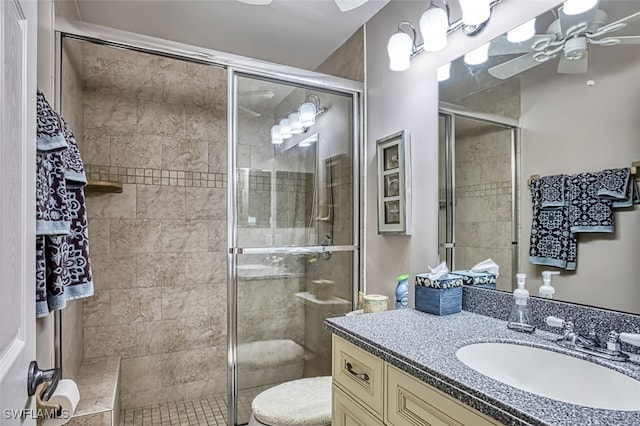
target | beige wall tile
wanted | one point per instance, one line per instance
(72, 335)
(111, 114)
(206, 203)
(98, 419)
(161, 269)
(99, 236)
(191, 155)
(217, 157)
(141, 373)
(184, 301)
(217, 235)
(217, 300)
(160, 202)
(135, 305)
(184, 236)
(184, 367)
(206, 268)
(205, 124)
(112, 206)
(96, 147)
(160, 337)
(97, 309)
(135, 236)
(110, 340)
(115, 271)
(161, 119)
(136, 150)
(206, 331)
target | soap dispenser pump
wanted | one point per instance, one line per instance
(520, 319)
(546, 290)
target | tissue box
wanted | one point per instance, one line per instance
(442, 296)
(477, 279)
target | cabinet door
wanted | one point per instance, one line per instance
(346, 412)
(411, 402)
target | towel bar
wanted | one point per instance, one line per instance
(634, 170)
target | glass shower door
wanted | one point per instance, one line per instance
(293, 253)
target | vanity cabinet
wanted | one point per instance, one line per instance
(370, 391)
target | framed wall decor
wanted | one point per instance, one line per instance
(394, 184)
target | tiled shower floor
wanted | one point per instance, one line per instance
(207, 412)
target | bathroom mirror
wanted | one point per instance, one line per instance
(574, 116)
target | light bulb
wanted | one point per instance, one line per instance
(399, 50)
(444, 72)
(475, 12)
(296, 124)
(576, 7)
(276, 137)
(477, 56)
(434, 25)
(523, 32)
(285, 128)
(307, 114)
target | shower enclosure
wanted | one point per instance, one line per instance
(478, 173)
(217, 264)
(293, 239)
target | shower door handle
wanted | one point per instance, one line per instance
(361, 376)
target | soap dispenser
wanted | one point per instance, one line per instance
(520, 319)
(545, 289)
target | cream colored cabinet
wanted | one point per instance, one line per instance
(368, 391)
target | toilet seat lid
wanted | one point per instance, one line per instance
(303, 402)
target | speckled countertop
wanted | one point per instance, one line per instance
(425, 346)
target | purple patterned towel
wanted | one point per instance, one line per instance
(587, 211)
(619, 186)
(63, 266)
(552, 191)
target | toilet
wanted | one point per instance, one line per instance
(302, 402)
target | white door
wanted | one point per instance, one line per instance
(17, 207)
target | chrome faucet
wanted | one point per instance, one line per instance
(590, 344)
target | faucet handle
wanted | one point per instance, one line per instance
(630, 338)
(555, 321)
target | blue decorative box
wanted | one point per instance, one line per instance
(477, 279)
(442, 296)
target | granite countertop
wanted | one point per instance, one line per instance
(425, 346)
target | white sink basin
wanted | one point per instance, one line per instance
(553, 375)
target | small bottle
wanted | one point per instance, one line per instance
(402, 292)
(520, 319)
(545, 289)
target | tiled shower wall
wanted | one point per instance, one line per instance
(158, 248)
(483, 183)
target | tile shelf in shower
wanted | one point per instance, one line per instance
(103, 186)
(332, 302)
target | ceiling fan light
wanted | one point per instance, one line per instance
(475, 12)
(256, 2)
(399, 49)
(523, 32)
(576, 7)
(434, 24)
(307, 114)
(444, 72)
(477, 56)
(347, 5)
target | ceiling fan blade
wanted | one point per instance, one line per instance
(612, 26)
(256, 2)
(347, 5)
(502, 46)
(628, 39)
(577, 66)
(569, 21)
(514, 67)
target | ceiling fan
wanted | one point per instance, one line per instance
(343, 5)
(569, 37)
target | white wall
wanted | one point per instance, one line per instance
(409, 100)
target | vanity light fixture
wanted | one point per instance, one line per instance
(434, 27)
(434, 24)
(477, 56)
(523, 32)
(297, 121)
(576, 7)
(444, 72)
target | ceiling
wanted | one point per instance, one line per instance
(299, 33)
